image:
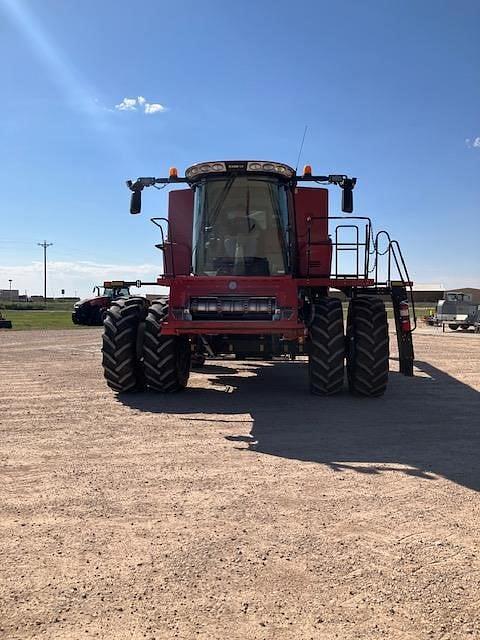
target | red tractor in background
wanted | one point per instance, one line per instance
(91, 311)
(250, 259)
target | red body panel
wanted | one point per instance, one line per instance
(283, 288)
(100, 301)
(180, 218)
(314, 281)
(312, 203)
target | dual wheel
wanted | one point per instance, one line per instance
(136, 355)
(364, 346)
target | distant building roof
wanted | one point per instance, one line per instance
(428, 287)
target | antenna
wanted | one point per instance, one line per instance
(301, 147)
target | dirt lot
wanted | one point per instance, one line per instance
(241, 509)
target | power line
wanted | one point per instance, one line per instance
(45, 245)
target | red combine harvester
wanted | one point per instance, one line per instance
(250, 258)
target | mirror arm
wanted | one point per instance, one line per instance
(140, 183)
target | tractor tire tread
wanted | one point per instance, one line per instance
(368, 355)
(161, 353)
(327, 348)
(120, 366)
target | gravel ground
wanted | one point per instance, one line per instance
(243, 508)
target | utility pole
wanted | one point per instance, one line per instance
(45, 246)
(10, 281)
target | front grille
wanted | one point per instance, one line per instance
(232, 308)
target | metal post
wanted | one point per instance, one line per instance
(45, 245)
(10, 281)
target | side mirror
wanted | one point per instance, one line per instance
(136, 201)
(347, 199)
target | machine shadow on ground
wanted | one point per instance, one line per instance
(429, 423)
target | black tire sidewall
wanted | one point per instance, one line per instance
(326, 336)
(157, 347)
(360, 382)
(122, 359)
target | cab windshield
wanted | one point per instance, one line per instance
(241, 227)
(116, 292)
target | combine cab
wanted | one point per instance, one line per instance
(91, 311)
(250, 260)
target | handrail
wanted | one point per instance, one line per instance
(338, 245)
(169, 240)
(355, 244)
(394, 243)
(394, 251)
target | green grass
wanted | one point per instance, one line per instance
(421, 310)
(52, 305)
(22, 320)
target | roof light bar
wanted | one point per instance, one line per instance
(225, 167)
(275, 167)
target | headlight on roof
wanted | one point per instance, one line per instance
(275, 167)
(205, 167)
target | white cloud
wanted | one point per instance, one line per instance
(154, 107)
(131, 104)
(127, 104)
(79, 277)
(475, 142)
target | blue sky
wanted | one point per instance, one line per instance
(390, 92)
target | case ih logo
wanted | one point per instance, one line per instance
(234, 166)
